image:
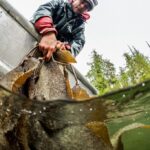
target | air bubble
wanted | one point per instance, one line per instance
(113, 104)
(91, 109)
(70, 122)
(30, 112)
(124, 95)
(8, 110)
(26, 111)
(44, 108)
(34, 113)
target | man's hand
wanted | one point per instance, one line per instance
(49, 44)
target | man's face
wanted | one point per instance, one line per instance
(80, 6)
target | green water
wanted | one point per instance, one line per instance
(132, 106)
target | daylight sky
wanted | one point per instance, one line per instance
(114, 25)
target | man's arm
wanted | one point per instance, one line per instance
(43, 23)
(78, 40)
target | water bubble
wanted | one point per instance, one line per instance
(91, 109)
(1, 103)
(44, 108)
(143, 84)
(72, 112)
(70, 122)
(34, 113)
(40, 112)
(18, 115)
(24, 110)
(113, 104)
(111, 86)
(30, 112)
(123, 95)
(81, 110)
(8, 110)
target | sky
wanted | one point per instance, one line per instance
(114, 24)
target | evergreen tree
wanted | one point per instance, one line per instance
(137, 67)
(101, 73)
(95, 74)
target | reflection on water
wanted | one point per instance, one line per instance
(119, 119)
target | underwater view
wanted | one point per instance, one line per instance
(118, 120)
(100, 103)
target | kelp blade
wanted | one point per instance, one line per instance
(64, 56)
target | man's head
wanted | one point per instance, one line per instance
(80, 6)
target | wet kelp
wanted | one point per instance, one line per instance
(31, 124)
(67, 124)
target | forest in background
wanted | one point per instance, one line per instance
(104, 77)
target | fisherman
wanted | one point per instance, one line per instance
(61, 24)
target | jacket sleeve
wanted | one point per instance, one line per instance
(78, 40)
(46, 10)
(45, 25)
